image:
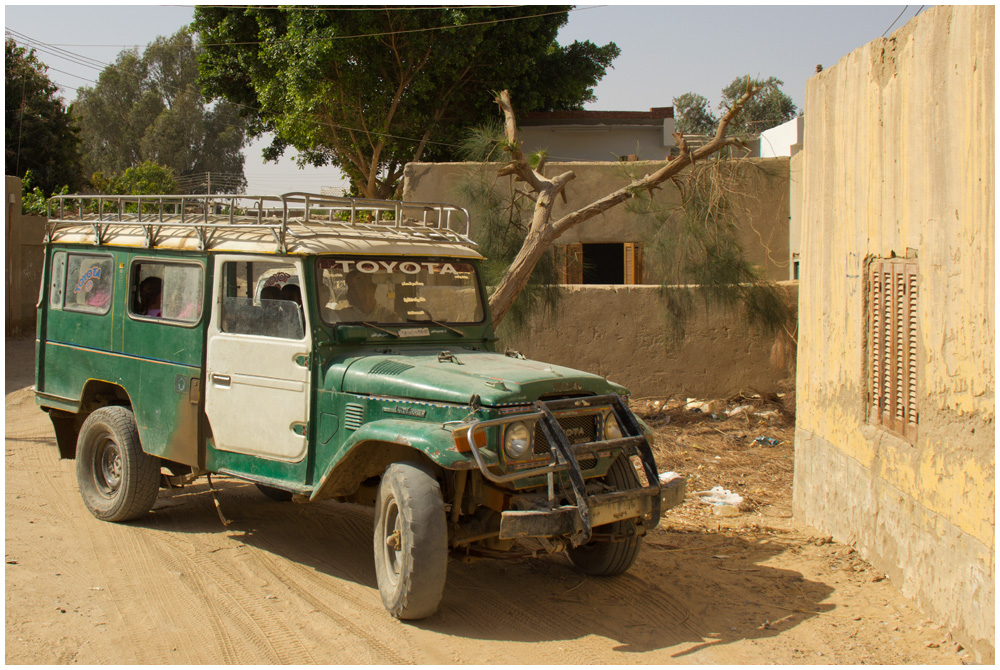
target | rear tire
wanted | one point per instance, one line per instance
(411, 541)
(118, 480)
(605, 558)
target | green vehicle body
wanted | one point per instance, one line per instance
(368, 395)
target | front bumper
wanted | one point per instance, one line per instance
(577, 520)
(604, 509)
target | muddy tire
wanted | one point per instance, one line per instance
(278, 495)
(605, 558)
(411, 541)
(118, 480)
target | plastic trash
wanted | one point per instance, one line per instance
(720, 496)
(769, 441)
(667, 477)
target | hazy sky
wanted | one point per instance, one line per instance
(666, 50)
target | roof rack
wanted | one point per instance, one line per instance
(292, 216)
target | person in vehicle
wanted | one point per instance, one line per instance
(100, 295)
(150, 294)
(270, 293)
(290, 292)
(364, 306)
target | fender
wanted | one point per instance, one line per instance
(374, 446)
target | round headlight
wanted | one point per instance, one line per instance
(516, 440)
(611, 429)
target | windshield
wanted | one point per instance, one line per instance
(397, 291)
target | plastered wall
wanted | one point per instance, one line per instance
(899, 160)
(22, 261)
(619, 332)
(761, 213)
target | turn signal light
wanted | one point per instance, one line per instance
(462, 439)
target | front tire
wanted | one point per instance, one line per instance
(411, 541)
(606, 558)
(276, 494)
(118, 480)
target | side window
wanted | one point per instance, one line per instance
(89, 282)
(57, 280)
(262, 298)
(168, 291)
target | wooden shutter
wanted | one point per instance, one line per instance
(633, 263)
(569, 263)
(893, 313)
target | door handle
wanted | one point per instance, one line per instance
(221, 380)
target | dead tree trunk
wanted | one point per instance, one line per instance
(544, 191)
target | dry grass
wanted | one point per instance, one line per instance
(720, 449)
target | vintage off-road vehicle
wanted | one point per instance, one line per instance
(329, 348)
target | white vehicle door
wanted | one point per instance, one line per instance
(257, 384)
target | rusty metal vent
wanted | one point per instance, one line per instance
(354, 416)
(390, 368)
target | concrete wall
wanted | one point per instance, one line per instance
(618, 333)
(898, 159)
(762, 214)
(22, 261)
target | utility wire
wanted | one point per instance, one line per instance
(359, 36)
(896, 19)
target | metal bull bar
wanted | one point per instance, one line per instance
(577, 520)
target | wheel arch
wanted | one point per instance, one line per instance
(96, 393)
(367, 459)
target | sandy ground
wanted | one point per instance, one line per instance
(290, 583)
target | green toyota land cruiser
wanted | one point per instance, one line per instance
(329, 348)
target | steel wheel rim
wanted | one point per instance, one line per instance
(108, 467)
(393, 556)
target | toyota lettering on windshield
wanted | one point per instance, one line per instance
(398, 291)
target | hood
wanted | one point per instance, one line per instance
(459, 374)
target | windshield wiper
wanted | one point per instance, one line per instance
(372, 325)
(438, 323)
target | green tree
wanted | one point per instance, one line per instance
(693, 115)
(369, 89)
(769, 108)
(150, 108)
(39, 134)
(147, 178)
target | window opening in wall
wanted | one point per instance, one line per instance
(892, 336)
(599, 263)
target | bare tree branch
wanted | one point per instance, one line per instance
(543, 232)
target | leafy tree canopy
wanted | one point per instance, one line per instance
(39, 134)
(147, 178)
(693, 115)
(150, 108)
(369, 89)
(770, 107)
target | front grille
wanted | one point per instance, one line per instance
(579, 429)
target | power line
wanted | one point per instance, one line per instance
(896, 19)
(359, 36)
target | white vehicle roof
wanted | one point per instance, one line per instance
(295, 223)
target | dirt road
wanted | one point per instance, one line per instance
(289, 583)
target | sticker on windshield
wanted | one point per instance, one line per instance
(414, 332)
(406, 267)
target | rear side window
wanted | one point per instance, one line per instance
(166, 291)
(89, 282)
